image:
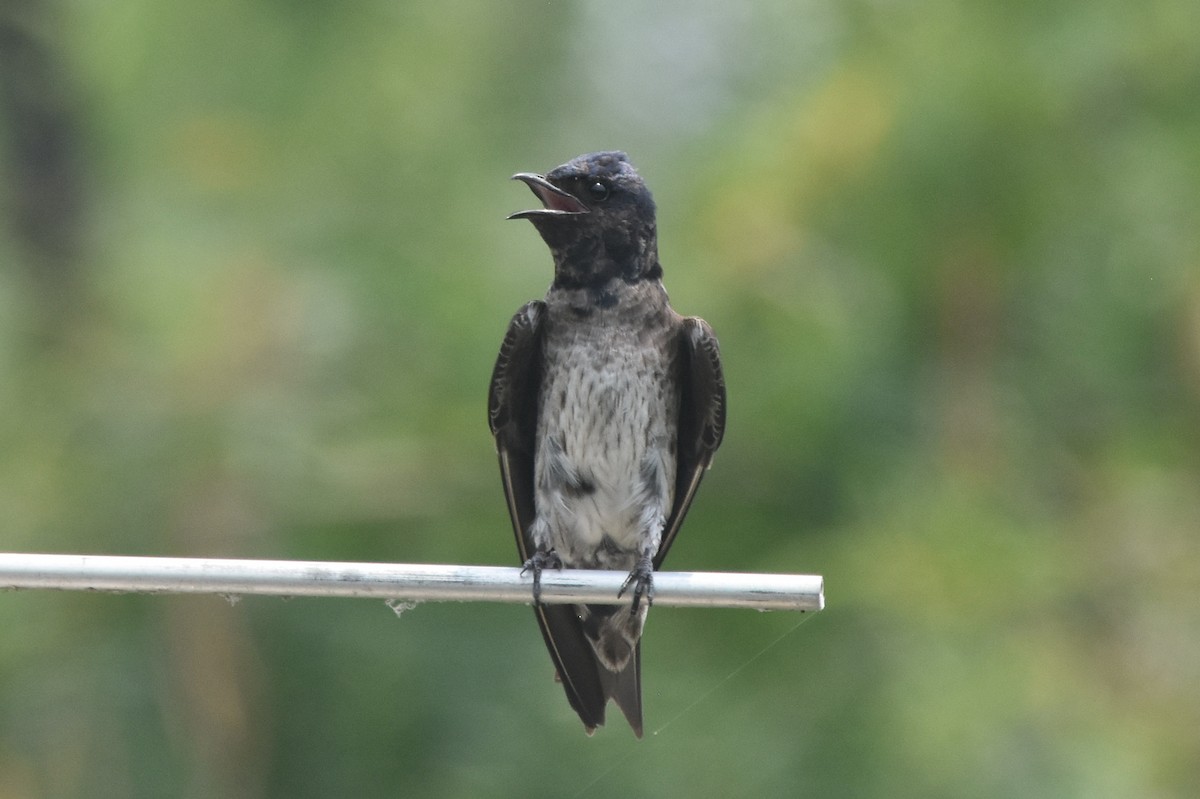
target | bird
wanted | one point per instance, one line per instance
(606, 407)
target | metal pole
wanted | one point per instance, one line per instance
(421, 583)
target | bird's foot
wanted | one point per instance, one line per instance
(541, 560)
(642, 580)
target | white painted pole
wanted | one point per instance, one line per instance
(419, 583)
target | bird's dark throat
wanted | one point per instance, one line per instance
(572, 281)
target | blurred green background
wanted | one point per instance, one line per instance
(254, 271)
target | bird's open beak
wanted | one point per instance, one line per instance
(556, 201)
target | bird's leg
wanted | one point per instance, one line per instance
(542, 559)
(642, 580)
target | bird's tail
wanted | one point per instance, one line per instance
(624, 687)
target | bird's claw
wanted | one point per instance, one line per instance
(541, 560)
(642, 580)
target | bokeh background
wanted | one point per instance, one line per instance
(254, 270)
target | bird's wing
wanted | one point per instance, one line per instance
(512, 417)
(512, 414)
(701, 419)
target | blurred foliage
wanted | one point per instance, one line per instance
(254, 270)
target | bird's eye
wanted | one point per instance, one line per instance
(598, 190)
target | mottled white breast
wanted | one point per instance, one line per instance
(605, 462)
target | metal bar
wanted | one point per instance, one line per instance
(421, 583)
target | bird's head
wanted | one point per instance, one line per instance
(597, 218)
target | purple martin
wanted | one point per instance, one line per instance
(607, 407)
